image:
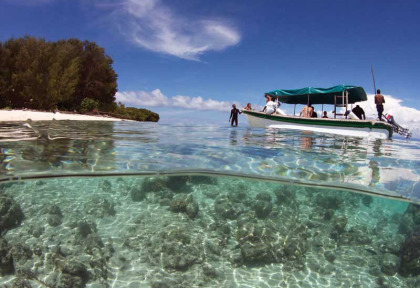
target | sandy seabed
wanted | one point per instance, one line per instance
(23, 115)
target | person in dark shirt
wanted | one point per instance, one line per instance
(314, 114)
(234, 115)
(325, 115)
(359, 112)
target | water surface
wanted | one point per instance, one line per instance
(150, 205)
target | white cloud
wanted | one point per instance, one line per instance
(405, 116)
(143, 98)
(154, 26)
(156, 98)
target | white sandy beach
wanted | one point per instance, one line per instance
(23, 115)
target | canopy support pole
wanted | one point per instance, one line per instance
(294, 111)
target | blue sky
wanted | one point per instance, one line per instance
(179, 56)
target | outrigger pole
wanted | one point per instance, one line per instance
(373, 76)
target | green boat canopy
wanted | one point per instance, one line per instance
(319, 95)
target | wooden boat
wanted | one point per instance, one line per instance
(339, 96)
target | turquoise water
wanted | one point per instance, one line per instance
(89, 204)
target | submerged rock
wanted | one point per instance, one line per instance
(226, 208)
(36, 231)
(263, 208)
(357, 235)
(328, 200)
(54, 220)
(285, 196)
(330, 256)
(259, 252)
(338, 227)
(154, 184)
(209, 270)
(367, 200)
(263, 196)
(55, 216)
(184, 203)
(259, 244)
(192, 209)
(178, 256)
(137, 194)
(100, 207)
(21, 253)
(74, 274)
(178, 184)
(410, 255)
(105, 185)
(390, 264)
(410, 219)
(6, 258)
(53, 209)
(21, 283)
(263, 205)
(84, 228)
(202, 180)
(11, 214)
(174, 249)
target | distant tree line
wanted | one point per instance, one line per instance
(66, 75)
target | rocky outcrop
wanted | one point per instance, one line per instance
(11, 214)
(226, 208)
(6, 259)
(73, 274)
(184, 203)
(263, 205)
(100, 207)
(410, 255)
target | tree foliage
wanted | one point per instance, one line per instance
(42, 75)
(137, 114)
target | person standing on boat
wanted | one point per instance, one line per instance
(359, 112)
(234, 115)
(379, 101)
(271, 106)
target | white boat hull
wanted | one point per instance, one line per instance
(343, 127)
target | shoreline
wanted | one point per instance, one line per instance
(24, 115)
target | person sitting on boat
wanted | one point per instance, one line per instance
(379, 101)
(271, 106)
(325, 115)
(234, 115)
(248, 107)
(314, 114)
(307, 111)
(359, 112)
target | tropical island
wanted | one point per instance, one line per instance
(70, 76)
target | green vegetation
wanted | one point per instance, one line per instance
(67, 75)
(89, 104)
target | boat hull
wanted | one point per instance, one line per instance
(345, 127)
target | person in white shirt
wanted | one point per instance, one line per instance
(271, 106)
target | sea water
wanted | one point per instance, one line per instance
(93, 204)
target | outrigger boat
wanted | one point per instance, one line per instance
(340, 96)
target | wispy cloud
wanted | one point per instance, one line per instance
(156, 98)
(155, 26)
